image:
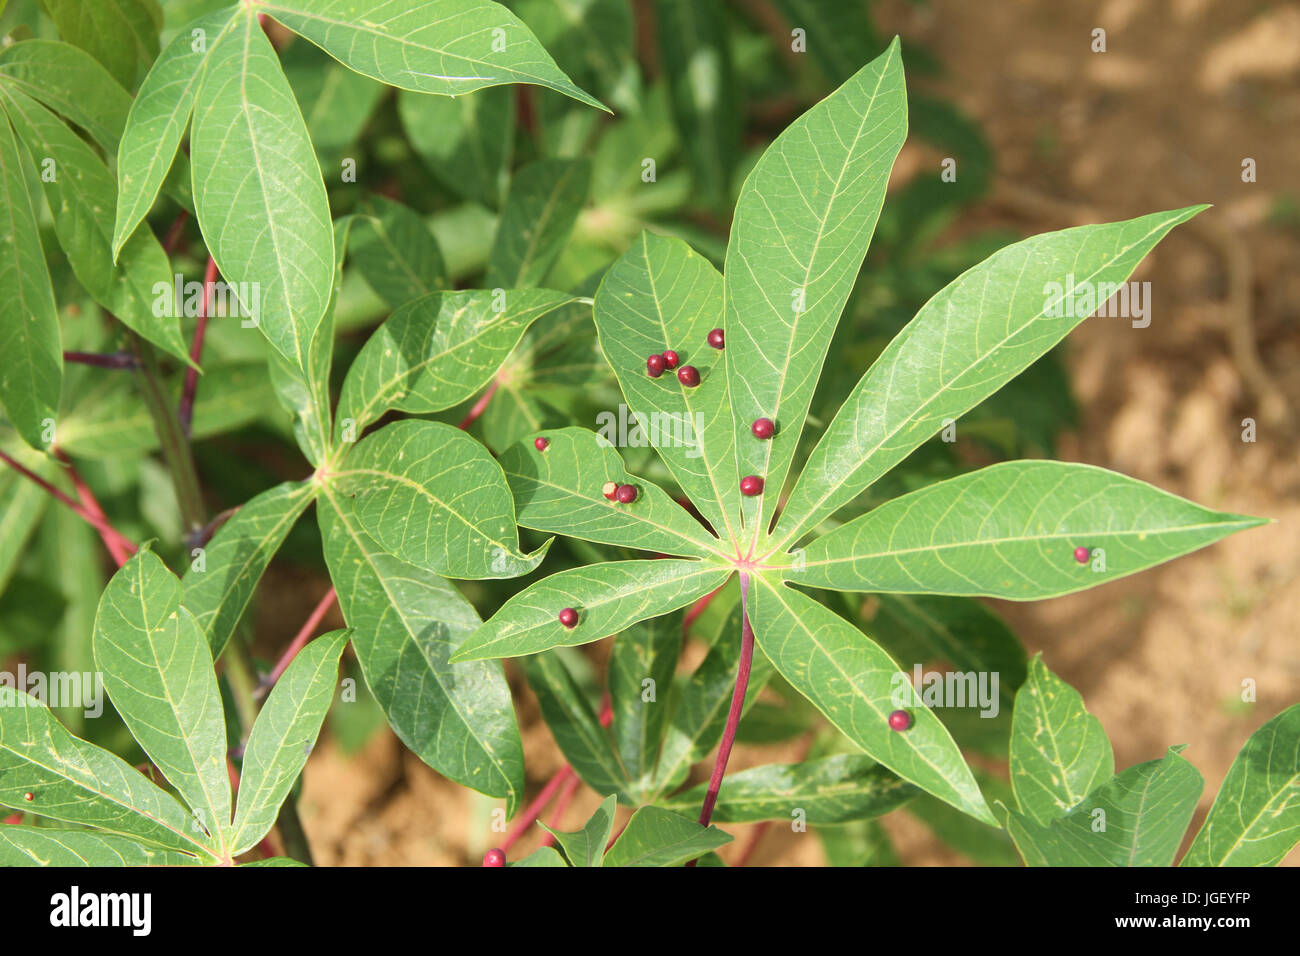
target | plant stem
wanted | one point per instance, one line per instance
(96, 520)
(174, 444)
(294, 836)
(304, 634)
(118, 546)
(480, 406)
(535, 808)
(173, 237)
(102, 359)
(737, 705)
(561, 805)
(186, 413)
(243, 688)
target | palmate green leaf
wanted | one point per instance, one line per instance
(429, 46)
(586, 745)
(973, 336)
(40, 846)
(258, 190)
(640, 675)
(1136, 819)
(658, 837)
(835, 789)
(109, 422)
(76, 782)
(559, 490)
(801, 229)
(701, 700)
(32, 373)
(158, 673)
(438, 351)
(434, 497)
(608, 597)
(586, 847)
(283, 735)
(395, 252)
(218, 590)
(543, 204)
(71, 82)
(1255, 820)
(80, 195)
(121, 34)
(1010, 531)
(696, 60)
(1059, 751)
(466, 141)
(158, 118)
(854, 683)
(457, 718)
(663, 295)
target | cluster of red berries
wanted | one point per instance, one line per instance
(616, 492)
(689, 375)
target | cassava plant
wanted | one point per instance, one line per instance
(457, 421)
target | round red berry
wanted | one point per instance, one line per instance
(569, 617)
(900, 720)
(29, 797)
(1082, 555)
(609, 489)
(626, 494)
(540, 443)
(716, 339)
(763, 428)
(494, 857)
(655, 365)
(671, 359)
(688, 375)
(751, 485)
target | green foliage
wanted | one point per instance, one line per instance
(469, 252)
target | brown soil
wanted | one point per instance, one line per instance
(1164, 118)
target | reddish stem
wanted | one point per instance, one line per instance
(118, 546)
(561, 805)
(737, 705)
(697, 609)
(103, 359)
(480, 406)
(173, 237)
(97, 521)
(196, 349)
(299, 642)
(535, 808)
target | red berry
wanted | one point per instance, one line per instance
(671, 359)
(626, 494)
(716, 339)
(609, 489)
(900, 720)
(655, 365)
(751, 485)
(29, 797)
(763, 428)
(569, 617)
(688, 375)
(540, 443)
(1082, 555)
(494, 857)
